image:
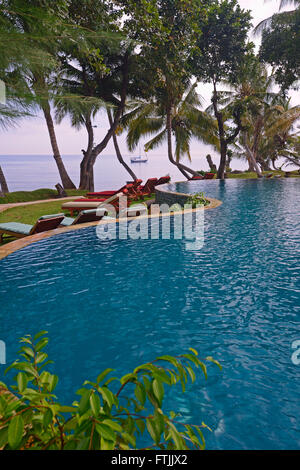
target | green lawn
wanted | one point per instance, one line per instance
(37, 195)
(249, 174)
(30, 213)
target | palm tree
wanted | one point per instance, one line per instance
(274, 138)
(39, 25)
(182, 120)
(14, 107)
(254, 96)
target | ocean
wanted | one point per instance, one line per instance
(28, 172)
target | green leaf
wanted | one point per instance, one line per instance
(84, 402)
(158, 390)
(40, 357)
(95, 404)
(176, 437)
(41, 344)
(67, 409)
(103, 374)
(113, 425)
(203, 367)
(211, 359)
(129, 438)
(140, 393)
(107, 396)
(194, 351)
(52, 382)
(162, 375)
(39, 334)
(3, 437)
(15, 431)
(191, 373)
(107, 445)
(83, 444)
(22, 381)
(152, 430)
(47, 418)
(127, 378)
(106, 432)
(28, 351)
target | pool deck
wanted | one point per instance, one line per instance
(16, 245)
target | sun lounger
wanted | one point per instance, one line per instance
(163, 180)
(43, 224)
(198, 177)
(148, 188)
(134, 210)
(105, 194)
(85, 204)
(209, 176)
(91, 215)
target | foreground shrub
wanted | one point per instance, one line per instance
(103, 417)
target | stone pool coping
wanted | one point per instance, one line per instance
(16, 245)
(165, 195)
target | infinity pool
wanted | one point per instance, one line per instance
(119, 303)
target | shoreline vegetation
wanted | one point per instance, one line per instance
(47, 193)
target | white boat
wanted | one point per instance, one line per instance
(139, 159)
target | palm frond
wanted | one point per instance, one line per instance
(156, 141)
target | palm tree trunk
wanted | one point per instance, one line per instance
(251, 157)
(183, 168)
(3, 183)
(223, 142)
(117, 149)
(65, 179)
(87, 177)
(250, 165)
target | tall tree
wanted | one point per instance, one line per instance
(41, 24)
(151, 118)
(280, 47)
(281, 15)
(100, 72)
(252, 95)
(167, 32)
(222, 48)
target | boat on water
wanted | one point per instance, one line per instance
(139, 159)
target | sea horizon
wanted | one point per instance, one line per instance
(26, 172)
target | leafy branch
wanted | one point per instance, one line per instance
(102, 418)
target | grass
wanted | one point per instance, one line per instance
(29, 214)
(250, 175)
(37, 195)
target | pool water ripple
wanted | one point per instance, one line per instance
(120, 303)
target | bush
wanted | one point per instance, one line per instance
(103, 418)
(198, 199)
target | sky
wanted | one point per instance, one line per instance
(31, 136)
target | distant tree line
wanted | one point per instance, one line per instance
(141, 62)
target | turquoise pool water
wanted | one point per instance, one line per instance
(120, 303)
